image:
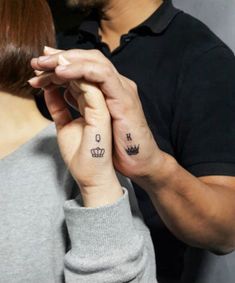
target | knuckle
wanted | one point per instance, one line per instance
(133, 86)
(91, 70)
(107, 70)
(99, 56)
(72, 52)
(96, 52)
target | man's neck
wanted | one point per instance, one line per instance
(122, 15)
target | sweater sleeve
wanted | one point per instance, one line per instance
(108, 244)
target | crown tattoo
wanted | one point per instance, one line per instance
(132, 150)
(97, 152)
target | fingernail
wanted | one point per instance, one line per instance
(61, 68)
(48, 48)
(34, 61)
(32, 80)
(38, 73)
(43, 58)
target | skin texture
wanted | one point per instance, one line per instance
(204, 208)
(23, 121)
(77, 140)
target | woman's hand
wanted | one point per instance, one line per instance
(85, 143)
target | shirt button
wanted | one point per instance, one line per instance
(80, 38)
(127, 39)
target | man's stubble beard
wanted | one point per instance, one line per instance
(89, 5)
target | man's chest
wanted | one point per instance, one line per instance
(157, 85)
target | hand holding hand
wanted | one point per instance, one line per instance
(85, 143)
(136, 153)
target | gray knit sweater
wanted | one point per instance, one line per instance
(47, 238)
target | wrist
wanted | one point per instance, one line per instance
(105, 193)
(159, 171)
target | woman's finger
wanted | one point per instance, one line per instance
(91, 97)
(70, 100)
(45, 79)
(57, 108)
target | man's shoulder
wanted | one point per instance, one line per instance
(193, 36)
(194, 40)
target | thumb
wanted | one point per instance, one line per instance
(92, 96)
(91, 103)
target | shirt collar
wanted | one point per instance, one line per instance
(157, 22)
(161, 18)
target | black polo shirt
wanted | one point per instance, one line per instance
(186, 81)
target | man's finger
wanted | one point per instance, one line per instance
(101, 74)
(49, 62)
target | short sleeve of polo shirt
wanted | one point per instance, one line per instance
(204, 117)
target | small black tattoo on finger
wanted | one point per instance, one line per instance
(132, 150)
(98, 138)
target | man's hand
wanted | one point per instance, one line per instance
(192, 208)
(135, 150)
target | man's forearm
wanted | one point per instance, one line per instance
(200, 214)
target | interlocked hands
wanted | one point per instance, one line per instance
(101, 94)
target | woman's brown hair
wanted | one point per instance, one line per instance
(26, 26)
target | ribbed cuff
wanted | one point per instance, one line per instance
(99, 231)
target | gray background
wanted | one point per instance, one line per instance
(219, 15)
